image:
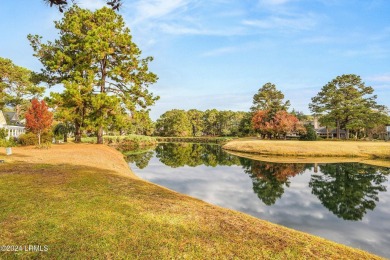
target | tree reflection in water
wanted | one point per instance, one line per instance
(349, 189)
(141, 159)
(269, 178)
(186, 154)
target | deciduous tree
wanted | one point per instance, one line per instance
(196, 118)
(174, 123)
(38, 118)
(281, 124)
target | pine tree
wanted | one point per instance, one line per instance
(96, 56)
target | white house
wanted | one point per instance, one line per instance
(15, 128)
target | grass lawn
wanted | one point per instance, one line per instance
(83, 202)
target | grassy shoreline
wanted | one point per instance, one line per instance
(312, 149)
(83, 201)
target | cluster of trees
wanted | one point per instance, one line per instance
(346, 103)
(201, 123)
(104, 77)
(106, 90)
(270, 117)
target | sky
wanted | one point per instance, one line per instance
(218, 53)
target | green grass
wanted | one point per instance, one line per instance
(125, 143)
(84, 212)
(201, 139)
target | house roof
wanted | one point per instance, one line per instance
(322, 130)
(3, 121)
(10, 118)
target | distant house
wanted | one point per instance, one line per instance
(12, 124)
(325, 132)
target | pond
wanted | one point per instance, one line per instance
(344, 202)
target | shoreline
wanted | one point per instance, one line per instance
(101, 198)
(308, 159)
(376, 153)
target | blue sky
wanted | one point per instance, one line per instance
(218, 53)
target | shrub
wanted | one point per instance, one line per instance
(310, 135)
(3, 133)
(32, 139)
(7, 143)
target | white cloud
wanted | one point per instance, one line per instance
(292, 22)
(220, 51)
(273, 2)
(380, 78)
(91, 4)
(187, 30)
(373, 51)
(152, 9)
(319, 40)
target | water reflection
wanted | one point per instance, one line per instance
(346, 202)
(186, 154)
(348, 190)
(269, 178)
(140, 159)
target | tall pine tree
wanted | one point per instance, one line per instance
(102, 66)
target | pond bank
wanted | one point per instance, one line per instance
(205, 140)
(349, 150)
(83, 201)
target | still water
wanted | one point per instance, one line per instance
(344, 202)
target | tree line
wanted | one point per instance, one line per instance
(195, 122)
(106, 91)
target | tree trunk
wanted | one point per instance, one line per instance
(338, 129)
(65, 137)
(39, 138)
(77, 132)
(347, 134)
(100, 135)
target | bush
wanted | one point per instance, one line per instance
(310, 135)
(32, 139)
(8, 143)
(3, 133)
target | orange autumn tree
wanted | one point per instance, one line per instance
(38, 118)
(285, 123)
(261, 123)
(278, 125)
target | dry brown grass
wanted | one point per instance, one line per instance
(308, 159)
(84, 203)
(91, 155)
(351, 149)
